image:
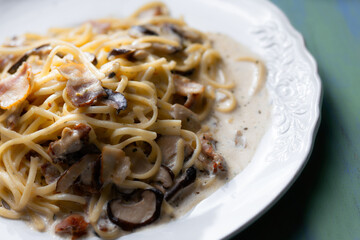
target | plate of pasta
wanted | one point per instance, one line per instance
(142, 119)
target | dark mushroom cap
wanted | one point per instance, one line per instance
(165, 176)
(129, 216)
(185, 180)
(123, 52)
(83, 88)
(141, 30)
(115, 100)
(35, 51)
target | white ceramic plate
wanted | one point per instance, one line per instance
(293, 83)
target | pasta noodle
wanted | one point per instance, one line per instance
(115, 84)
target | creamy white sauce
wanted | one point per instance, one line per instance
(251, 117)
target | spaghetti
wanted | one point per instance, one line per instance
(107, 116)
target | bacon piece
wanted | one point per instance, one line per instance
(74, 224)
(209, 159)
(15, 88)
(72, 141)
(82, 88)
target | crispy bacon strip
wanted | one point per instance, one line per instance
(82, 88)
(209, 159)
(74, 224)
(68, 149)
(15, 88)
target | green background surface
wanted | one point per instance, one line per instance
(324, 202)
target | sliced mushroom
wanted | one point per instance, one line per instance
(89, 179)
(129, 53)
(184, 86)
(82, 87)
(189, 119)
(184, 73)
(14, 89)
(139, 161)
(50, 172)
(141, 30)
(165, 176)
(36, 51)
(187, 88)
(209, 160)
(161, 48)
(5, 205)
(115, 166)
(68, 149)
(121, 52)
(74, 224)
(168, 146)
(185, 180)
(115, 100)
(183, 32)
(84, 168)
(132, 215)
(139, 55)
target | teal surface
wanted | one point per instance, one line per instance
(324, 203)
